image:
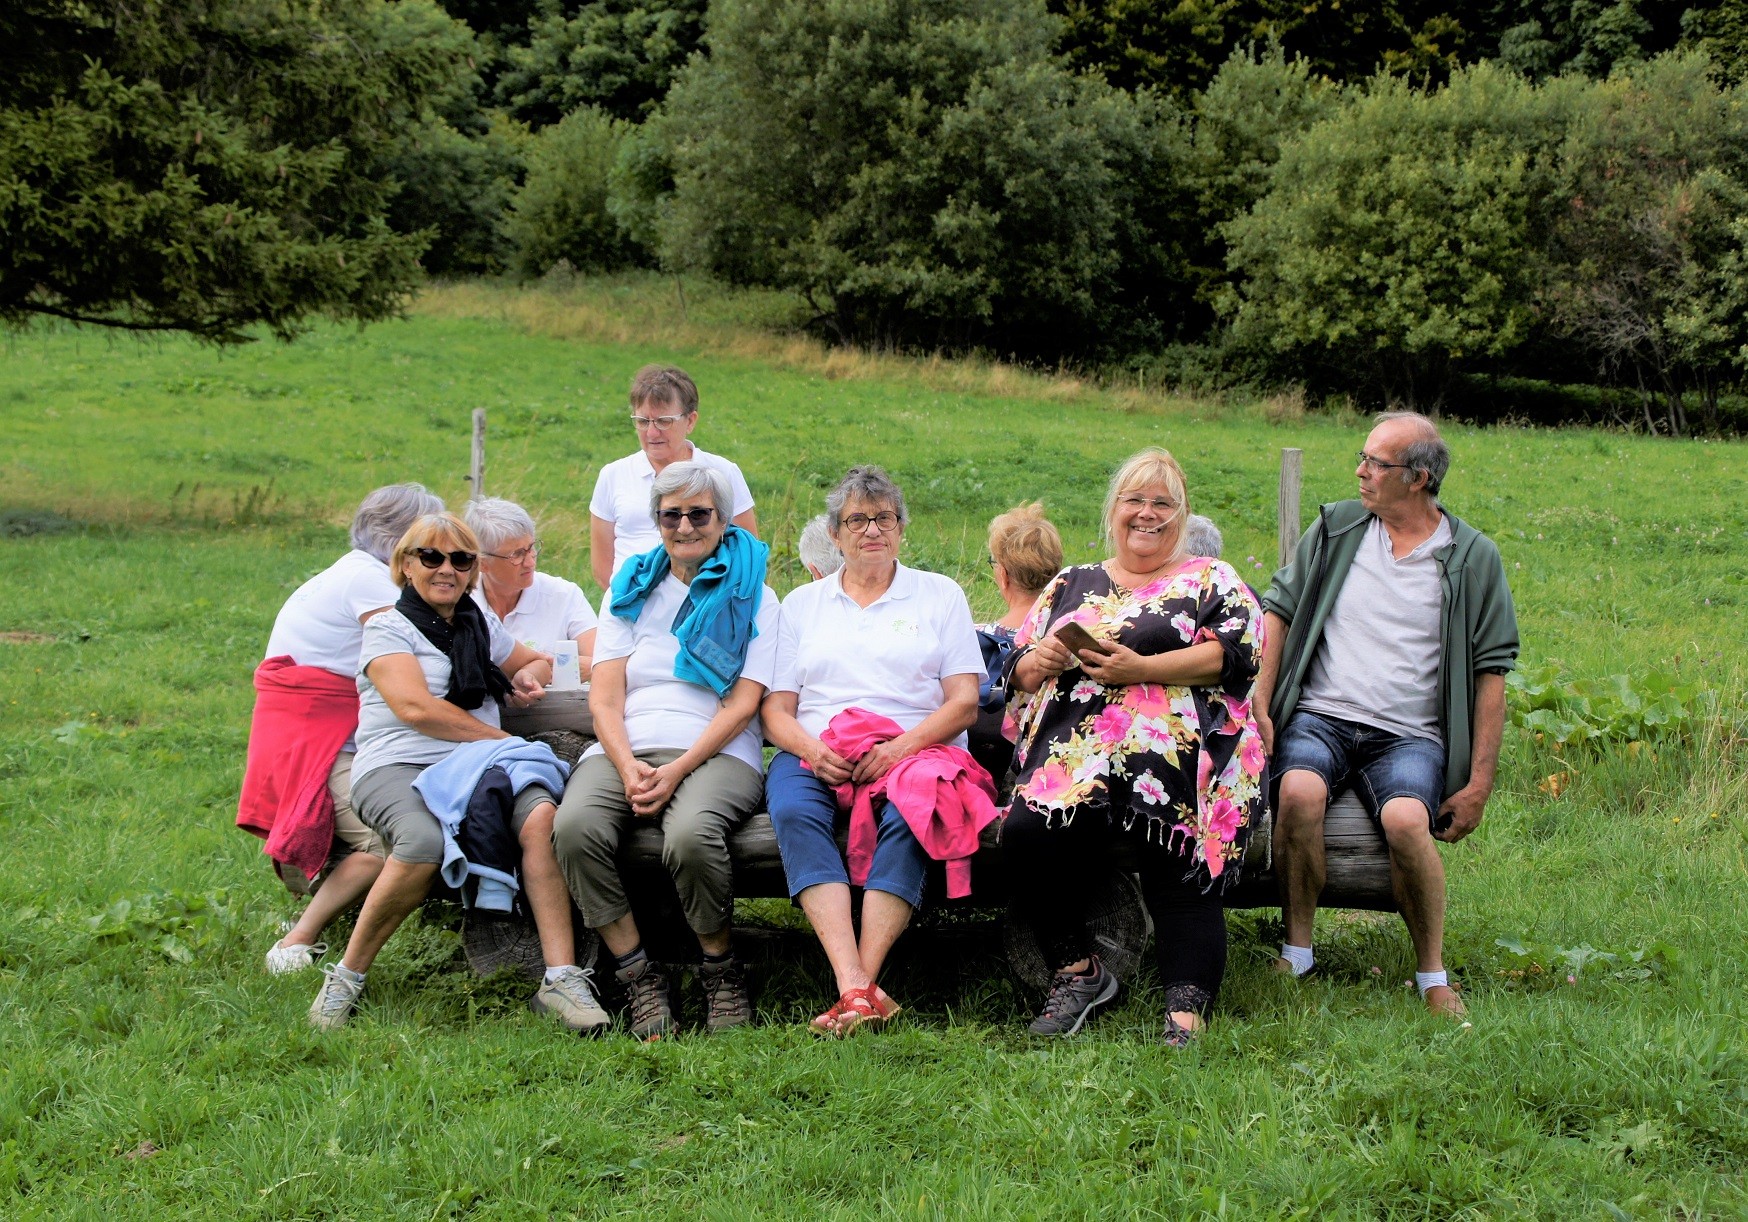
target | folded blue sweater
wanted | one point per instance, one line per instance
(448, 785)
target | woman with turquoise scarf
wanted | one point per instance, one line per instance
(685, 652)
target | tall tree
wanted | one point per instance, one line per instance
(208, 165)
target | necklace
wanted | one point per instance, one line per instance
(1113, 567)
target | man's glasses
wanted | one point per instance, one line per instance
(1378, 464)
(670, 518)
(433, 558)
(858, 523)
(660, 424)
(519, 555)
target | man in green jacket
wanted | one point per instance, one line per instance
(1389, 635)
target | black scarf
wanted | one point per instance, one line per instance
(472, 674)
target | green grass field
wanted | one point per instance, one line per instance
(160, 500)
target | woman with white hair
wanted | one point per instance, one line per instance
(687, 648)
(298, 781)
(544, 612)
(1136, 724)
(819, 555)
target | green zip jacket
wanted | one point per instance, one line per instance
(1477, 624)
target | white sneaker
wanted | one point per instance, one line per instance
(283, 959)
(333, 1005)
(571, 1000)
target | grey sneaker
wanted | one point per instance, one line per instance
(1074, 999)
(726, 1000)
(647, 988)
(333, 1004)
(570, 999)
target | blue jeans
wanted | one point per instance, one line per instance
(804, 812)
(1379, 765)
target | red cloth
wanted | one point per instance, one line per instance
(303, 717)
(945, 796)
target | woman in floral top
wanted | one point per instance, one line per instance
(1151, 739)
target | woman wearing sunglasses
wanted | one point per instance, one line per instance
(877, 638)
(686, 649)
(432, 676)
(664, 411)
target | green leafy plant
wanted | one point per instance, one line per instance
(1606, 711)
(175, 923)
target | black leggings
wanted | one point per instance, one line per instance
(1051, 869)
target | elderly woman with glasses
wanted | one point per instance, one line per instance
(664, 411)
(297, 788)
(884, 639)
(544, 612)
(1136, 723)
(431, 677)
(687, 649)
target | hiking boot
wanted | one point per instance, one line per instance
(1074, 999)
(647, 990)
(282, 960)
(333, 1005)
(726, 1000)
(569, 998)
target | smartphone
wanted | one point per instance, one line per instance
(1077, 638)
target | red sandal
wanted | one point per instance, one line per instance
(827, 1024)
(864, 1008)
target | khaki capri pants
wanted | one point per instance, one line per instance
(595, 815)
(386, 800)
(350, 833)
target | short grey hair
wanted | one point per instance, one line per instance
(1202, 537)
(816, 547)
(386, 515)
(1427, 452)
(497, 521)
(870, 484)
(693, 479)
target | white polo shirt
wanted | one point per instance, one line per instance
(622, 498)
(888, 658)
(318, 625)
(549, 611)
(662, 711)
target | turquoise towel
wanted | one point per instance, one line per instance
(715, 624)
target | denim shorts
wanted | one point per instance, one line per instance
(1378, 764)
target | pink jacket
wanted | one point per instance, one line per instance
(303, 716)
(945, 796)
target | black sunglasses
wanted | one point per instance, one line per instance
(432, 558)
(699, 518)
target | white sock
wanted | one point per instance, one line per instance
(552, 972)
(1299, 956)
(346, 973)
(1427, 980)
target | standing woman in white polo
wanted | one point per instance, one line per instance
(664, 411)
(893, 641)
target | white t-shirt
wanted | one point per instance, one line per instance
(384, 738)
(549, 611)
(622, 498)
(662, 711)
(318, 625)
(1379, 657)
(888, 658)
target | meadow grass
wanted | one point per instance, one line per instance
(163, 499)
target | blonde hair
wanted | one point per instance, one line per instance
(1150, 467)
(1024, 542)
(435, 530)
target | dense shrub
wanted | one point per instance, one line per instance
(925, 175)
(619, 55)
(561, 211)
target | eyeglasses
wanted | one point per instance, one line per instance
(660, 424)
(1378, 464)
(519, 555)
(699, 518)
(433, 558)
(990, 560)
(858, 523)
(1136, 503)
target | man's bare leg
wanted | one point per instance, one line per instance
(1417, 878)
(1300, 867)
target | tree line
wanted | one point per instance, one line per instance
(1392, 199)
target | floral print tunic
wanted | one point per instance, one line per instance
(1183, 766)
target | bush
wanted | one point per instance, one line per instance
(925, 175)
(561, 212)
(620, 55)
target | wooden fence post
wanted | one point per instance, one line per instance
(477, 470)
(1287, 529)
